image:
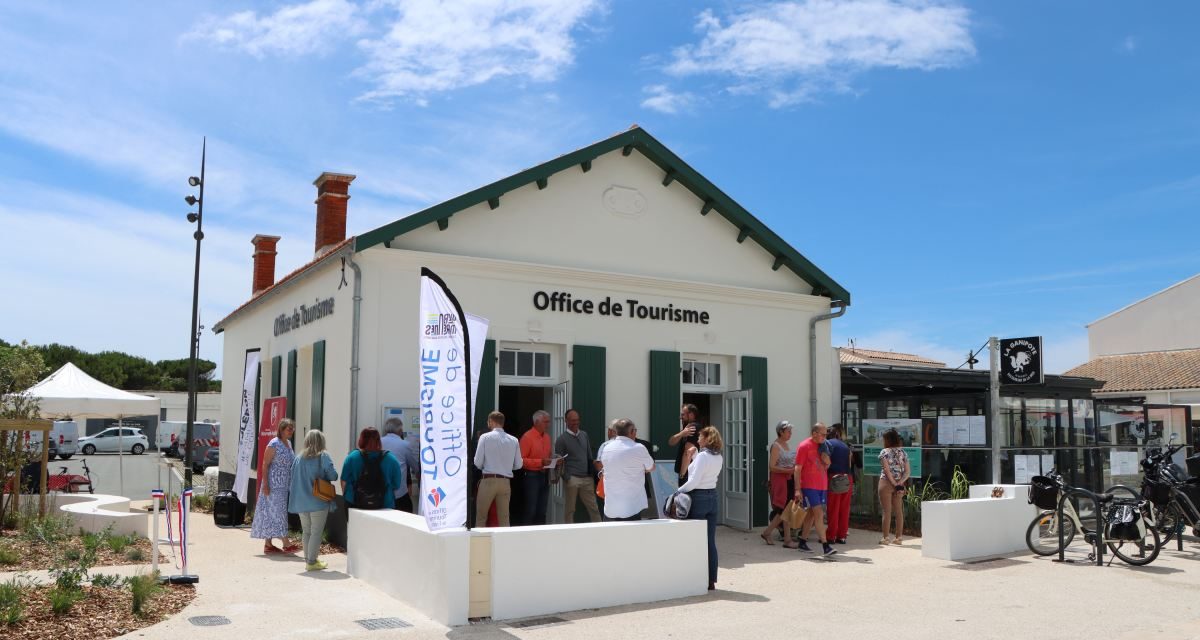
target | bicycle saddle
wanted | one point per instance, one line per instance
(1104, 498)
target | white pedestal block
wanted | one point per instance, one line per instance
(980, 526)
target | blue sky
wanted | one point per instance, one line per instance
(964, 169)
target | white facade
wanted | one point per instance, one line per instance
(612, 232)
(174, 405)
(1165, 321)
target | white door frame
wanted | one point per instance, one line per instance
(737, 475)
(558, 408)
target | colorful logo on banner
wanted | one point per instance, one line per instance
(445, 375)
(247, 428)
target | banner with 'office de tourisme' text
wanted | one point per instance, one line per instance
(448, 361)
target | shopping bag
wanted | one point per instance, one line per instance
(794, 514)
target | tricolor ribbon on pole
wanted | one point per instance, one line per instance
(185, 503)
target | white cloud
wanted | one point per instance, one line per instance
(1129, 44)
(433, 46)
(291, 31)
(661, 98)
(791, 51)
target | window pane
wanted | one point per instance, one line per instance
(699, 375)
(541, 363)
(1010, 422)
(714, 373)
(1083, 424)
(897, 409)
(1045, 422)
(524, 363)
(508, 363)
(1126, 422)
(685, 372)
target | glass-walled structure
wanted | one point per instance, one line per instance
(1095, 443)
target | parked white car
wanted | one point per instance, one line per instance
(132, 440)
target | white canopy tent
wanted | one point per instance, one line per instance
(71, 393)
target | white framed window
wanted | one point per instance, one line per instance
(525, 364)
(700, 373)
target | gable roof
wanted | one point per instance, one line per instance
(857, 355)
(674, 170)
(1150, 371)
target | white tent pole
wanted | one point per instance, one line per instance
(121, 451)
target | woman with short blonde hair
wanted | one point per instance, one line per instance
(312, 464)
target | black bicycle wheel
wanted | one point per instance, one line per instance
(1168, 521)
(1138, 552)
(1042, 534)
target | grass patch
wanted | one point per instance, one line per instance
(107, 580)
(61, 600)
(202, 502)
(11, 609)
(118, 543)
(9, 556)
(134, 554)
(48, 530)
(143, 587)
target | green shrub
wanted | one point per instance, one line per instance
(11, 609)
(201, 502)
(91, 541)
(48, 529)
(72, 554)
(9, 556)
(133, 554)
(143, 587)
(61, 600)
(107, 580)
(12, 614)
(118, 543)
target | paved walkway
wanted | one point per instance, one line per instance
(867, 591)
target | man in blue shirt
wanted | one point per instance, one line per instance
(394, 441)
(841, 484)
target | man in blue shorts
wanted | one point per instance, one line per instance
(812, 484)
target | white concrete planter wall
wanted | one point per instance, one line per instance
(980, 526)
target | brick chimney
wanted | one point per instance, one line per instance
(333, 192)
(264, 262)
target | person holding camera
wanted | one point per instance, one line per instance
(893, 478)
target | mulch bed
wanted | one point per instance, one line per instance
(36, 555)
(104, 613)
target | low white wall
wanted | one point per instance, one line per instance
(978, 527)
(555, 568)
(395, 552)
(94, 512)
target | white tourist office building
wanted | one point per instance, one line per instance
(616, 279)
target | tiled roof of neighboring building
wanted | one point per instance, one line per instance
(855, 355)
(1150, 371)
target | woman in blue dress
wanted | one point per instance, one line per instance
(271, 512)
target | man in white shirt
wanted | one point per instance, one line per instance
(393, 440)
(497, 456)
(625, 464)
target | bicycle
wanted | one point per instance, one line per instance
(1174, 495)
(1124, 521)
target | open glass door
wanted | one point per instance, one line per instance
(735, 477)
(554, 511)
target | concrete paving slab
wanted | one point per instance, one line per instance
(765, 592)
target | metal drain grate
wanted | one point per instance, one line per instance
(208, 621)
(376, 624)
(537, 622)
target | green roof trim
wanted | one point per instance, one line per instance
(673, 166)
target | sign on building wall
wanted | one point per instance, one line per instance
(274, 409)
(1021, 361)
(909, 430)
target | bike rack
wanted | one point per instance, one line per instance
(1099, 539)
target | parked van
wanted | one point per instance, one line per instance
(66, 434)
(168, 437)
(204, 436)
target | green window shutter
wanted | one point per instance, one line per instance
(276, 372)
(588, 390)
(665, 399)
(754, 378)
(316, 421)
(485, 397)
(291, 384)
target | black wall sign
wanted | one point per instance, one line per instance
(1021, 361)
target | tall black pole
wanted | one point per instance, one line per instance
(194, 338)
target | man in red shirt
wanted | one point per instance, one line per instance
(812, 484)
(535, 456)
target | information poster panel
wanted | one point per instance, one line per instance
(909, 430)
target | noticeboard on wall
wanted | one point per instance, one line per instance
(909, 430)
